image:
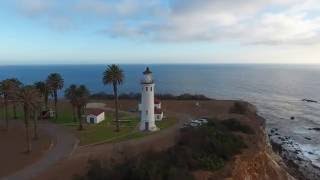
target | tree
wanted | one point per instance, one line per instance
(70, 94)
(16, 85)
(82, 95)
(55, 82)
(36, 110)
(114, 75)
(45, 91)
(28, 96)
(6, 89)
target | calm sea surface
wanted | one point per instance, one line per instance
(277, 90)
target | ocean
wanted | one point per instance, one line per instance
(276, 90)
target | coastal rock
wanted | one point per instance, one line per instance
(292, 154)
(310, 100)
(315, 129)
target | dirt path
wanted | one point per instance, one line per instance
(63, 145)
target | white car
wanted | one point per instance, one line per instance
(203, 121)
(196, 121)
(193, 124)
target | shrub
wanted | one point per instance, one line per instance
(239, 107)
(234, 125)
(207, 147)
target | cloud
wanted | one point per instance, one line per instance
(33, 7)
(119, 9)
(268, 22)
(246, 21)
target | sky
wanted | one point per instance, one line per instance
(159, 31)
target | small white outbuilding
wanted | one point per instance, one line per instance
(95, 116)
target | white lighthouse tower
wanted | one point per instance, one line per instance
(147, 122)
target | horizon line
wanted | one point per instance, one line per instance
(217, 63)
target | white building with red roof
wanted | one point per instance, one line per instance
(95, 116)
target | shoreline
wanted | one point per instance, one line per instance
(290, 152)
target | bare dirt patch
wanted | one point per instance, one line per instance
(13, 147)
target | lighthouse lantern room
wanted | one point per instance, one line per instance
(147, 122)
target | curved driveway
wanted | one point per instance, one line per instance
(64, 144)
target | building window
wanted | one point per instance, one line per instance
(146, 112)
(146, 88)
(150, 88)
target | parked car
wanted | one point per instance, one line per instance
(193, 124)
(196, 121)
(204, 121)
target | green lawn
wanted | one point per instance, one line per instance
(136, 134)
(165, 123)
(105, 131)
(10, 112)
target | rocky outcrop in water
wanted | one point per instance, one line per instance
(293, 156)
(310, 100)
(315, 129)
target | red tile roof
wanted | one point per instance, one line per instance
(157, 101)
(157, 111)
(94, 112)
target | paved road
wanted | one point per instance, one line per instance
(64, 144)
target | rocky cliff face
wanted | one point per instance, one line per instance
(258, 161)
(260, 164)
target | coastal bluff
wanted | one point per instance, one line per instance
(256, 161)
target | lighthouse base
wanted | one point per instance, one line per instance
(145, 126)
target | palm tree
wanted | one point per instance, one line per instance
(82, 96)
(6, 89)
(16, 84)
(28, 96)
(44, 90)
(36, 110)
(78, 97)
(114, 75)
(55, 82)
(70, 94)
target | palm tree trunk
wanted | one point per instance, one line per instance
(46, 97)
(26, 122)
(35, 126)
(6, 112)
(115, 91)
(55, 104)
(74, 113)
(15, 110)
(80, 119)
